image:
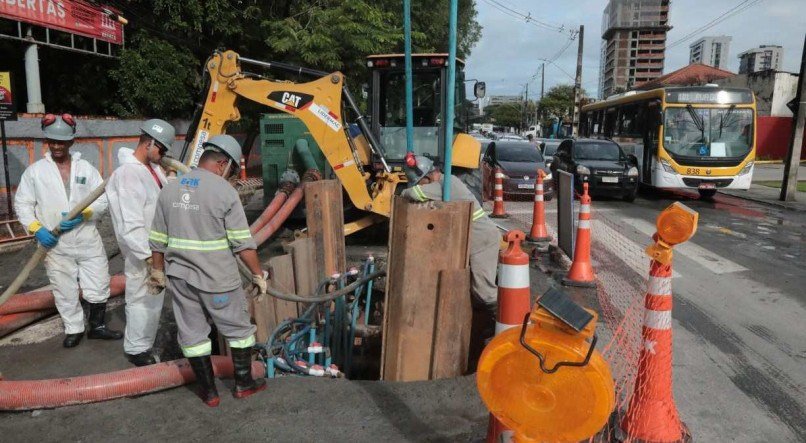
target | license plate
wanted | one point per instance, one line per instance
(609, 179)
(707, 186)
(526, 186)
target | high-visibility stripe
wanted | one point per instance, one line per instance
(478, 214)
(198, 245)
(584, 224)
(499, 175)
(419, 194)
(660, 320)
(539, 197)
(498, 186)
(498, 199)
(660, 285)
(199, 350)
(539, 187)
(158, 236)
(513, 276)
(585, 208)
(238, 234)
(242, 343)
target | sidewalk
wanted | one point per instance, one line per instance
(767, 194)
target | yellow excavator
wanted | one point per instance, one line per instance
(368, 170)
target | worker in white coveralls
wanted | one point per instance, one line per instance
(48, 190)
(133, 190)
(425, 183)
(199, 227)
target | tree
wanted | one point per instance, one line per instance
(505, 115)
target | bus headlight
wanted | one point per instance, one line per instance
(667, 167)
(633, 172)
(747, 168)
(582, 170)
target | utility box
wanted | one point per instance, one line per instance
(278, 134)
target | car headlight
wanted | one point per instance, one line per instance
(747, 168)
(667, 167)
(547, 176)
(582, 170)
(632, 172)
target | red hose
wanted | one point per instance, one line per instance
(12, 322)
(43, 300)
(271, 209)
(41, 394)
(280, 217)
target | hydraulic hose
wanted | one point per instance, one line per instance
(304, 153)
(43, 394)
(43, 300)
(285, 189)
(280, 217)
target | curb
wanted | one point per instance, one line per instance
(777, 204)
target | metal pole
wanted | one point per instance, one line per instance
(578, 83)
(446, 181)
(35, 105)
(789, 186)
(409, 81)
(525, 113)
(5, 168)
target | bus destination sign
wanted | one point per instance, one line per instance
(703, 96)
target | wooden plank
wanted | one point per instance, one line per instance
(424, 239)
(325, 218)
(452, 325)
(306, 278)
(281, 273)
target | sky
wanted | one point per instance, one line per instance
(509, 52)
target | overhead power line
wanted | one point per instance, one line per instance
(530, 19)
(732, 12)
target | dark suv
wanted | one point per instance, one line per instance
(600, 163)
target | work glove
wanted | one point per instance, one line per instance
(46, 238)
(69, 225)
(156, 281)
(259, 286)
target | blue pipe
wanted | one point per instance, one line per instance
(449, 101)
(409, 86)
(371, 261)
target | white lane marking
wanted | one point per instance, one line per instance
(623, 248)
(709, 260)
(554, 211)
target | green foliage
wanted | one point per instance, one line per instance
(505, 115)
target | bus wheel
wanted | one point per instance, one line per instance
(707, 193)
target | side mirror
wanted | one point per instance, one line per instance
(480, 89)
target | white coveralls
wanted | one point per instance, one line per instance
(133, 191)
(79, 255)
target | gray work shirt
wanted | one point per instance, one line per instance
(199, 224)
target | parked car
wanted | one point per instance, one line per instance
(549, 147)
(600, 163)
(519, 161)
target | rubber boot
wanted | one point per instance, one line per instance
(203, 368)
(245, 385)
(98, 329)
(142, 359)
(72, 340)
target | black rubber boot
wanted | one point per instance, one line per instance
(203, 368)
(245, 385)
(72, 340)
(98, 329)
(142, 359)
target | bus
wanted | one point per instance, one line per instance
(693, 137)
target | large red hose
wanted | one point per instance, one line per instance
(286, 188)
(12, 322)
(43, 300)
(280, 217)
(41, 394)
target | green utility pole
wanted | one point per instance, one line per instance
(450, 97)
(409, 86)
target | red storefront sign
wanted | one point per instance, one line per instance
(73, 16)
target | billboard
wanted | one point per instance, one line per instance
(74, 16)
(7, 109)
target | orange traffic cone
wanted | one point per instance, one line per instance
(243, 168)
(498, 195)
(652, 414)
(514, 302)
(581, 272)
(539, 233)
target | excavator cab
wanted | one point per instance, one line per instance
(387, 109)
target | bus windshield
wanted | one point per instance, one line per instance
(708, 132)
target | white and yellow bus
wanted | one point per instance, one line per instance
(698, 137)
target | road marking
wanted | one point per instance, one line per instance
(710, 261)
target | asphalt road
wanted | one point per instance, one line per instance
(740, 340)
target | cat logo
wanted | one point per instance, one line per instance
(290, 101)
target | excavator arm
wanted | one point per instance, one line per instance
(318, 104)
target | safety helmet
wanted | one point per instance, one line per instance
(161, 131)
(226, 144)
(59, 127)
(417, 167)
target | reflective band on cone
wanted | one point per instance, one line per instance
(581, 272)
(498, 195)
(539, 233)
(514, 303)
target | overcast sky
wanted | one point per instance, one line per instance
(508, 54)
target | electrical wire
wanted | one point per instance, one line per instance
(732, 12)
(528, 18)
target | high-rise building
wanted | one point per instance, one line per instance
(633, 43)
(763, 58)
(711, 51)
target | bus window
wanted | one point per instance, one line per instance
(704, 132)
(610, 122)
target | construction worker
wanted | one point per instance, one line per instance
(425, 183)
(48, 190)
(199, 226)
(132, 191)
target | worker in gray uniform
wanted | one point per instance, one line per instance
(199, 226)
(425, 183)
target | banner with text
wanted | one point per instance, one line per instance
(73, 16)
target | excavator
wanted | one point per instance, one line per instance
(368, 169)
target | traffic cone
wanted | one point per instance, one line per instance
(652, 414)
(514, 302)
(243, 168)
(539, 233)
(581, 272)
(498, 195)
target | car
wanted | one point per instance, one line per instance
(519, 161)
(549, 147)
(511, 136)
(600, 163)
